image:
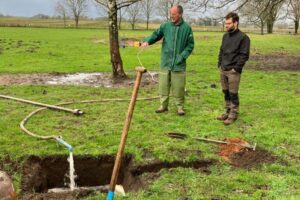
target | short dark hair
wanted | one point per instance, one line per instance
(180, 9)
(234, 16)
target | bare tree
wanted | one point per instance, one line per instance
(294, 13)
(272, 10)
(164, 6)
(148, 8)
(112, 7)
(77, 8)
(219, 17)
(60, 9)
(269, 10)
(133, 11)
(163, 9)
(254, 13)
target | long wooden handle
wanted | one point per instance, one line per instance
(76, 111)
(140, 71)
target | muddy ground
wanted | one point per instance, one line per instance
(274, 62)
(88, 79)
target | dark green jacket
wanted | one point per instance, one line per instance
(177, 45)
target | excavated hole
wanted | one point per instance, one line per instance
(43, 173)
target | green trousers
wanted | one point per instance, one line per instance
(172, 80)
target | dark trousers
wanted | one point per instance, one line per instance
(230, 81)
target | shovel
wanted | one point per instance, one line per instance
(114, 177)
(184, 136)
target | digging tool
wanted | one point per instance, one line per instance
(183, 136)
(75, 111)
(114, 177)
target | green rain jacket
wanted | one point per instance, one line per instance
(177, 45)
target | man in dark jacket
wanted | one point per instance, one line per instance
(234, 53)
(177, 45)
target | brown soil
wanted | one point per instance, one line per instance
(43, 173)
(275, 62)
(87, 79)
(56, 196)
(242, 157)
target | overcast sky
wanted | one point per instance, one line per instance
(28, 8)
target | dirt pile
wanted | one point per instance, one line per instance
(240, 156)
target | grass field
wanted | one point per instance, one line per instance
(269, 113)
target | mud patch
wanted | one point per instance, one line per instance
(248, 159)
(275, 62)
(43, 173)
(243, 157)
(86, 79)
(55, 196)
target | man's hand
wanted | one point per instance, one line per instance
(144, 45)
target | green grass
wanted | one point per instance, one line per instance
(269, 113)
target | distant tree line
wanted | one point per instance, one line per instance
(260, 13)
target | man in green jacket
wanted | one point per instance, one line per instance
(177, 45)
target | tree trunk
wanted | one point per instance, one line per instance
(65, 21)
(223, 25)
(116, 60)
(262, 24)
(270, 24)
(76, 21)
(147, 24)
(296, 26)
